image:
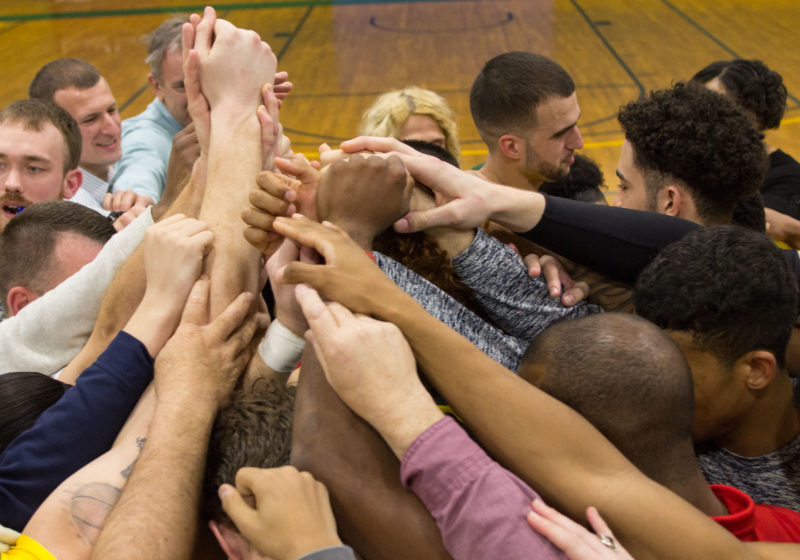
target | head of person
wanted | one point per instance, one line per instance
(24, 395)
(40, 146)
(413, 113)
(77, 86)
(755, 88)
(526, 110)
(44, 245)
(254, 429)
(584, 182)
(727, 297)
(166, 68)
(627, 378)
(688, 152)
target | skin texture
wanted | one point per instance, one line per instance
(95, 111)
(170, 91)
(32, 168)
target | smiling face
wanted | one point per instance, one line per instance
(550, 148)
(170, 90)
(31, 167)
(95, 111)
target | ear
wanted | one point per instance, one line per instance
(511, 146)
(154, 85)
(72, 182)
(758, 368)
(17, 298)
(670, 200)
(229, 540)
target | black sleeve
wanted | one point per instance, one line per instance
(614, 241)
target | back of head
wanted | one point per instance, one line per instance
(583, 183)
(254, 429)
(24, 395)
(166, 37)
(729, 287)
(504, 96)
(391, 110)
(28, 240)
(697, 138)
(34, 114)
(61, 74)
(626, 377)
(752, 86)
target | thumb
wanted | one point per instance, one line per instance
(424, 219)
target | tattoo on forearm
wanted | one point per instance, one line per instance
(126, 472)
(90, 506)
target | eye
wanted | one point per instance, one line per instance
(34, 169)
(622, 187)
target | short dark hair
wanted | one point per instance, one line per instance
(583, 182)
(431, 149)
(62, 73)
(730, 288)
(749, 213)
(166, 37)
(700, 138)
(24, 395)
(33, 114)
(508, 89)
(625, 376)
(28, 240)
(254, 429)
(752, 86)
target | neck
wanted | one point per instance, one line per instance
(98, 170)
(503, 173)
(771, 423)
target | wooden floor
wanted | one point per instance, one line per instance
(342, 54)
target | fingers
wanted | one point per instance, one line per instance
(204, 31)
(551, 271)
(423, 219)
(288, 252)
(196, 309)
(232, 317)
(243, 516)
(533, 265)
(597, 522)
(318, 315)
(376, 144)
(575, 294)
(309, 233)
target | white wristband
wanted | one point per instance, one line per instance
(281, 349)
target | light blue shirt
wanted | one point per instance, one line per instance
(146, 145)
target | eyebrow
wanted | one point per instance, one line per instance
(620, 175)
(566, 128)
(29, 158)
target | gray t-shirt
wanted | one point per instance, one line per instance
(772, 479)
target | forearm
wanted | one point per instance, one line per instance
(234, 160)
(161, 498)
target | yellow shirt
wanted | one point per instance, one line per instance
(27, 549)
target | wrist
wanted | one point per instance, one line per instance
(517, 209)
(281, 349)
(402, 431)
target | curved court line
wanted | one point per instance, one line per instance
(294, 33)
(611, 49)
(711, 36)
(509, 17)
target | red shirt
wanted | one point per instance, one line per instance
(756, 522)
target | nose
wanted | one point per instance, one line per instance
(111, 124)
(12, 181)
(617, 201)
(576, 140)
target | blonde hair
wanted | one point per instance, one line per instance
(392, 109)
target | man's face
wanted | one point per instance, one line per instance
(171, 92)
(31, 167)
(550, 148)
(718, 402)
(95, 111)
(633, 192)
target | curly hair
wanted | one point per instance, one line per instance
(254, 429)
(752, 86)
(584, 182)
(699, 138)
(390, 111)
(731, 288)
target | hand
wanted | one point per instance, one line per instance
(185, 152)
(576, 542)
(173, 255)
(282, 86)
(463, 200)
(128, 217)
(8, 538)
(348, 276)
(122, 201)
(270, 126)
(274, 196)
(364, 195)
(287, 310)
(200, 364)
(781, 227)
(197, 104)
(292, 516)
(299, 167)
(556, 276)
(328, 155)
(370, 366)
(233, 67)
